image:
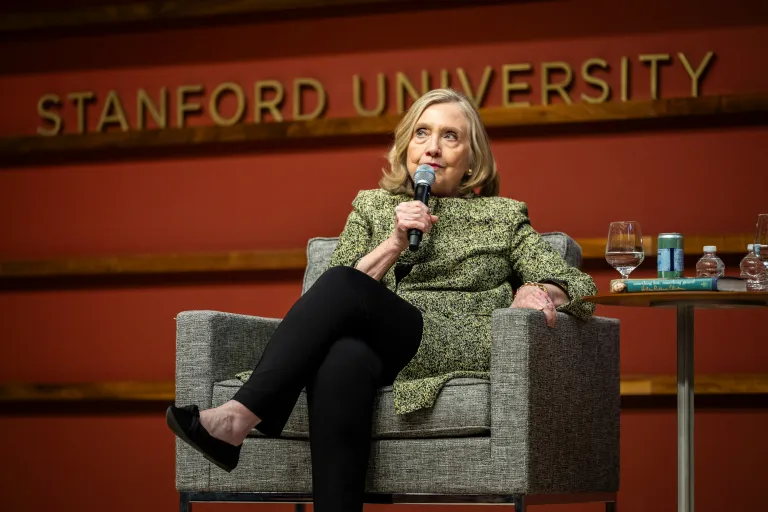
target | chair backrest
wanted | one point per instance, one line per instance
(319, 251)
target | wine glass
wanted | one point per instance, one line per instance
(624, 250)
(761, 238)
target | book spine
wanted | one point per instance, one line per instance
(701, 284)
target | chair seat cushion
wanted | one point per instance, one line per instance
(463, 409)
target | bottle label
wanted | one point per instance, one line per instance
(669, 262)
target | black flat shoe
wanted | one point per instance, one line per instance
(185, 423)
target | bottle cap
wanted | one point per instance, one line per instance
(710, 248)
(750, 247)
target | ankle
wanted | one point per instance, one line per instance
(243, 419)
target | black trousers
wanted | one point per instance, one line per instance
(345, 337)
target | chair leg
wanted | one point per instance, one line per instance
(184, 504)
(519, 502)
(610, 506)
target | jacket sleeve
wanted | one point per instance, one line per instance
(534, 260)
(355, 238)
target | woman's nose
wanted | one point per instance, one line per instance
(433, 147)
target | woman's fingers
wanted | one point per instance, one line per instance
(548, 309)
(531, 297)
(551, 314)
(413, 215)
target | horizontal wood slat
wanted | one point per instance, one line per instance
(631, 385)
(111, 391)
(624, 111)
(594, 248)
(17, 149)
(249, 261)
(644, 385)
(157, 264)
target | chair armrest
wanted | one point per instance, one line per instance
(212, 346)
(555, 402)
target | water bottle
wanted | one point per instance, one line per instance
(710, 265)
(754, 272)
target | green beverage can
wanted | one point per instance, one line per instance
(669, 260)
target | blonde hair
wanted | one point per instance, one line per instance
(484, 174)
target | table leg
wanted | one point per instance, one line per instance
(685, 408)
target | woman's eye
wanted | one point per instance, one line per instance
(421, 132)
(451, 136)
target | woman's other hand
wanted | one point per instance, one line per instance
(408, 215)
(533, 297)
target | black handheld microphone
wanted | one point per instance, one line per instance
(424, 178)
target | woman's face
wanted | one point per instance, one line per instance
(440, 138)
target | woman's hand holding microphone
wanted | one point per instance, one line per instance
(410, 215)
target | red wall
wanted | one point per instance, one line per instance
(698, 181)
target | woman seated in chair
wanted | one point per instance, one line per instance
(384, 314)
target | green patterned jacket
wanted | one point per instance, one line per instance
(477, 253)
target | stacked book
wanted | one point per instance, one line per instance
(683, 284)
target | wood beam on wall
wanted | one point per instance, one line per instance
(240, 261)
(267, 260)
(631, 385)
(726, 384)
(118, 391)
(594, 248)
(17, 150)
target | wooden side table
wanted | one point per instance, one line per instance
(685, 302)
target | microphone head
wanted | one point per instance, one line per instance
(424, 175)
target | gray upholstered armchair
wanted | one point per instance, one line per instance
(544, 429)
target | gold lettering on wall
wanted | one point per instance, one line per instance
(182, 107)
(213, 103)
(624, 79)
(654, 59)
(260, 104)
(144, 104)
(559, 87)
(403, 85)
(700, 70)
(381, 96)
(425, 82)
(445, 79)
(598, 80)
(508, 86)
(80, 99)
(51, 117)
(594, 81)
(476, 97)
(112, 113)
(322, 98)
